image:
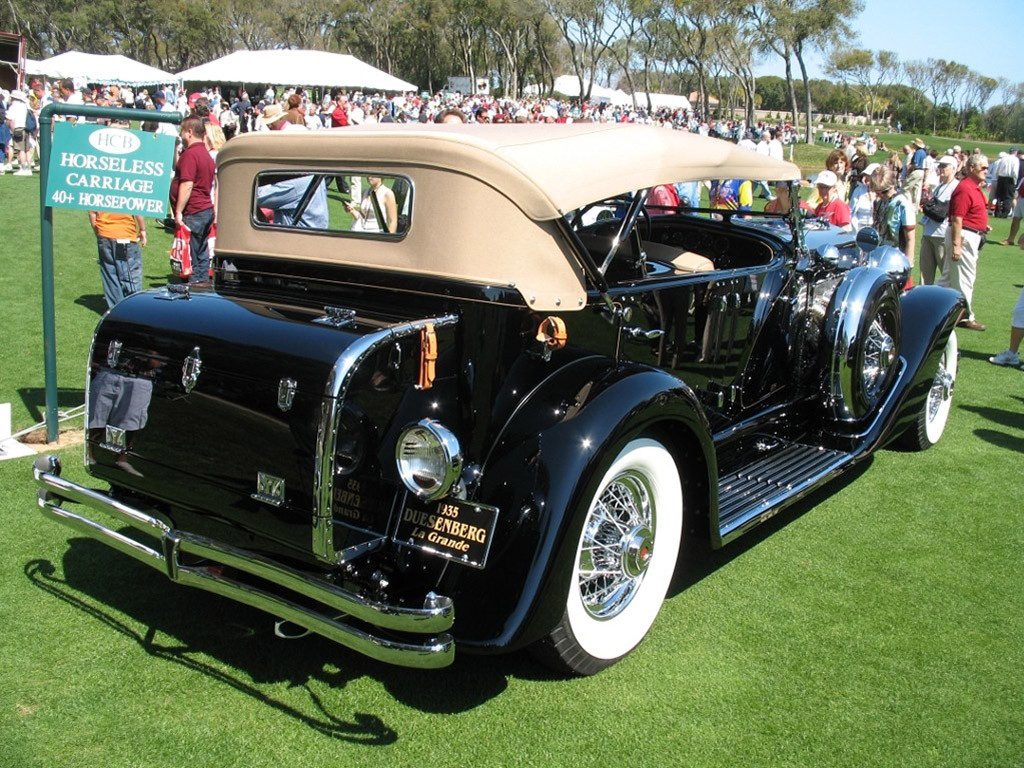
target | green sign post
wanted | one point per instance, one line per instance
(99, 168)
(46, 213)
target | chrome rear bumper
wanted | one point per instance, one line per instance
(432, 620)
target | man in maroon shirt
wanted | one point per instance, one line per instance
(968, 223)
(191, 194)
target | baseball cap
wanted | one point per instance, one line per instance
(948, 160)
(826, 178)
(869, 169)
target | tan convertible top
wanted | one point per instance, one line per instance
(547, 170)
(485, 199)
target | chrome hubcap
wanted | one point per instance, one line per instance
(879, 355)
(618, 543)
(639, 548)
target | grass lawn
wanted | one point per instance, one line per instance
(811, 157)
(878, 623)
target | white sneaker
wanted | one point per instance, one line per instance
(1006, 357)
(23, 172)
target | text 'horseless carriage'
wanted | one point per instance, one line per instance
(486, 415)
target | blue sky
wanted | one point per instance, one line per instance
(922, 29)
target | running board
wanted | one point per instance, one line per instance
(756, 492)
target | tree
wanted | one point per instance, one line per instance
(792, 28)
(737, 36)
(635, 19)
(975, 92)
(867, 71)
(584, 29)
(690, 28)
(916, 73)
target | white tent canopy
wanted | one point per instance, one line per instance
(295, 67)
(96, 68)
(670, 100)
(570, 86)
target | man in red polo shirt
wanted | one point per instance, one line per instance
(191, 194)
(339, 115)
(968, 223)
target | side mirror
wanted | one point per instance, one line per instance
(868, 239)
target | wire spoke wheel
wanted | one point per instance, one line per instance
(618, 542)
(879, 356)
(625, 559)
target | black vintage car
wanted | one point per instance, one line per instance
(465, 386)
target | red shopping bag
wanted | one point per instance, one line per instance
(181, 252)
(211, 245)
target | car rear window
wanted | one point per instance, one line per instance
(360, 204)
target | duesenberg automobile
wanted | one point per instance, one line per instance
(468, 386)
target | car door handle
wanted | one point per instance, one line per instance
(634, 332)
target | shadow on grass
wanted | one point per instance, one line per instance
(234, 644)
(34, 399)
(210, 635)
(971, 354)
(1000, 416)
(1001, 439)
(92, 301)
(1008, 420)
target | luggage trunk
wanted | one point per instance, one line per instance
(273, 422)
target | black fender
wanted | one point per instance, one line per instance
(542, 471)
(930, 314)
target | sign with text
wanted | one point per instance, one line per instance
(99, 168)
(452, 528)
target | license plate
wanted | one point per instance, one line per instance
(457, 530)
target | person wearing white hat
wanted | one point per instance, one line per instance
(936, 221)
(17, 114)
(831, 208)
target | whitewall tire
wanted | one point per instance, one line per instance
(931, 420)
(624, 563)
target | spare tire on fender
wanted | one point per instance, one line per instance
(864, 329)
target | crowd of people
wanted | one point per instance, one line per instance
(953, 194)
(852, 191)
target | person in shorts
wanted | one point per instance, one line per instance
(21, 141)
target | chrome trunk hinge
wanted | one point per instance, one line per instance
(337, 317)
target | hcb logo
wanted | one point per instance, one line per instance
(114, 141)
